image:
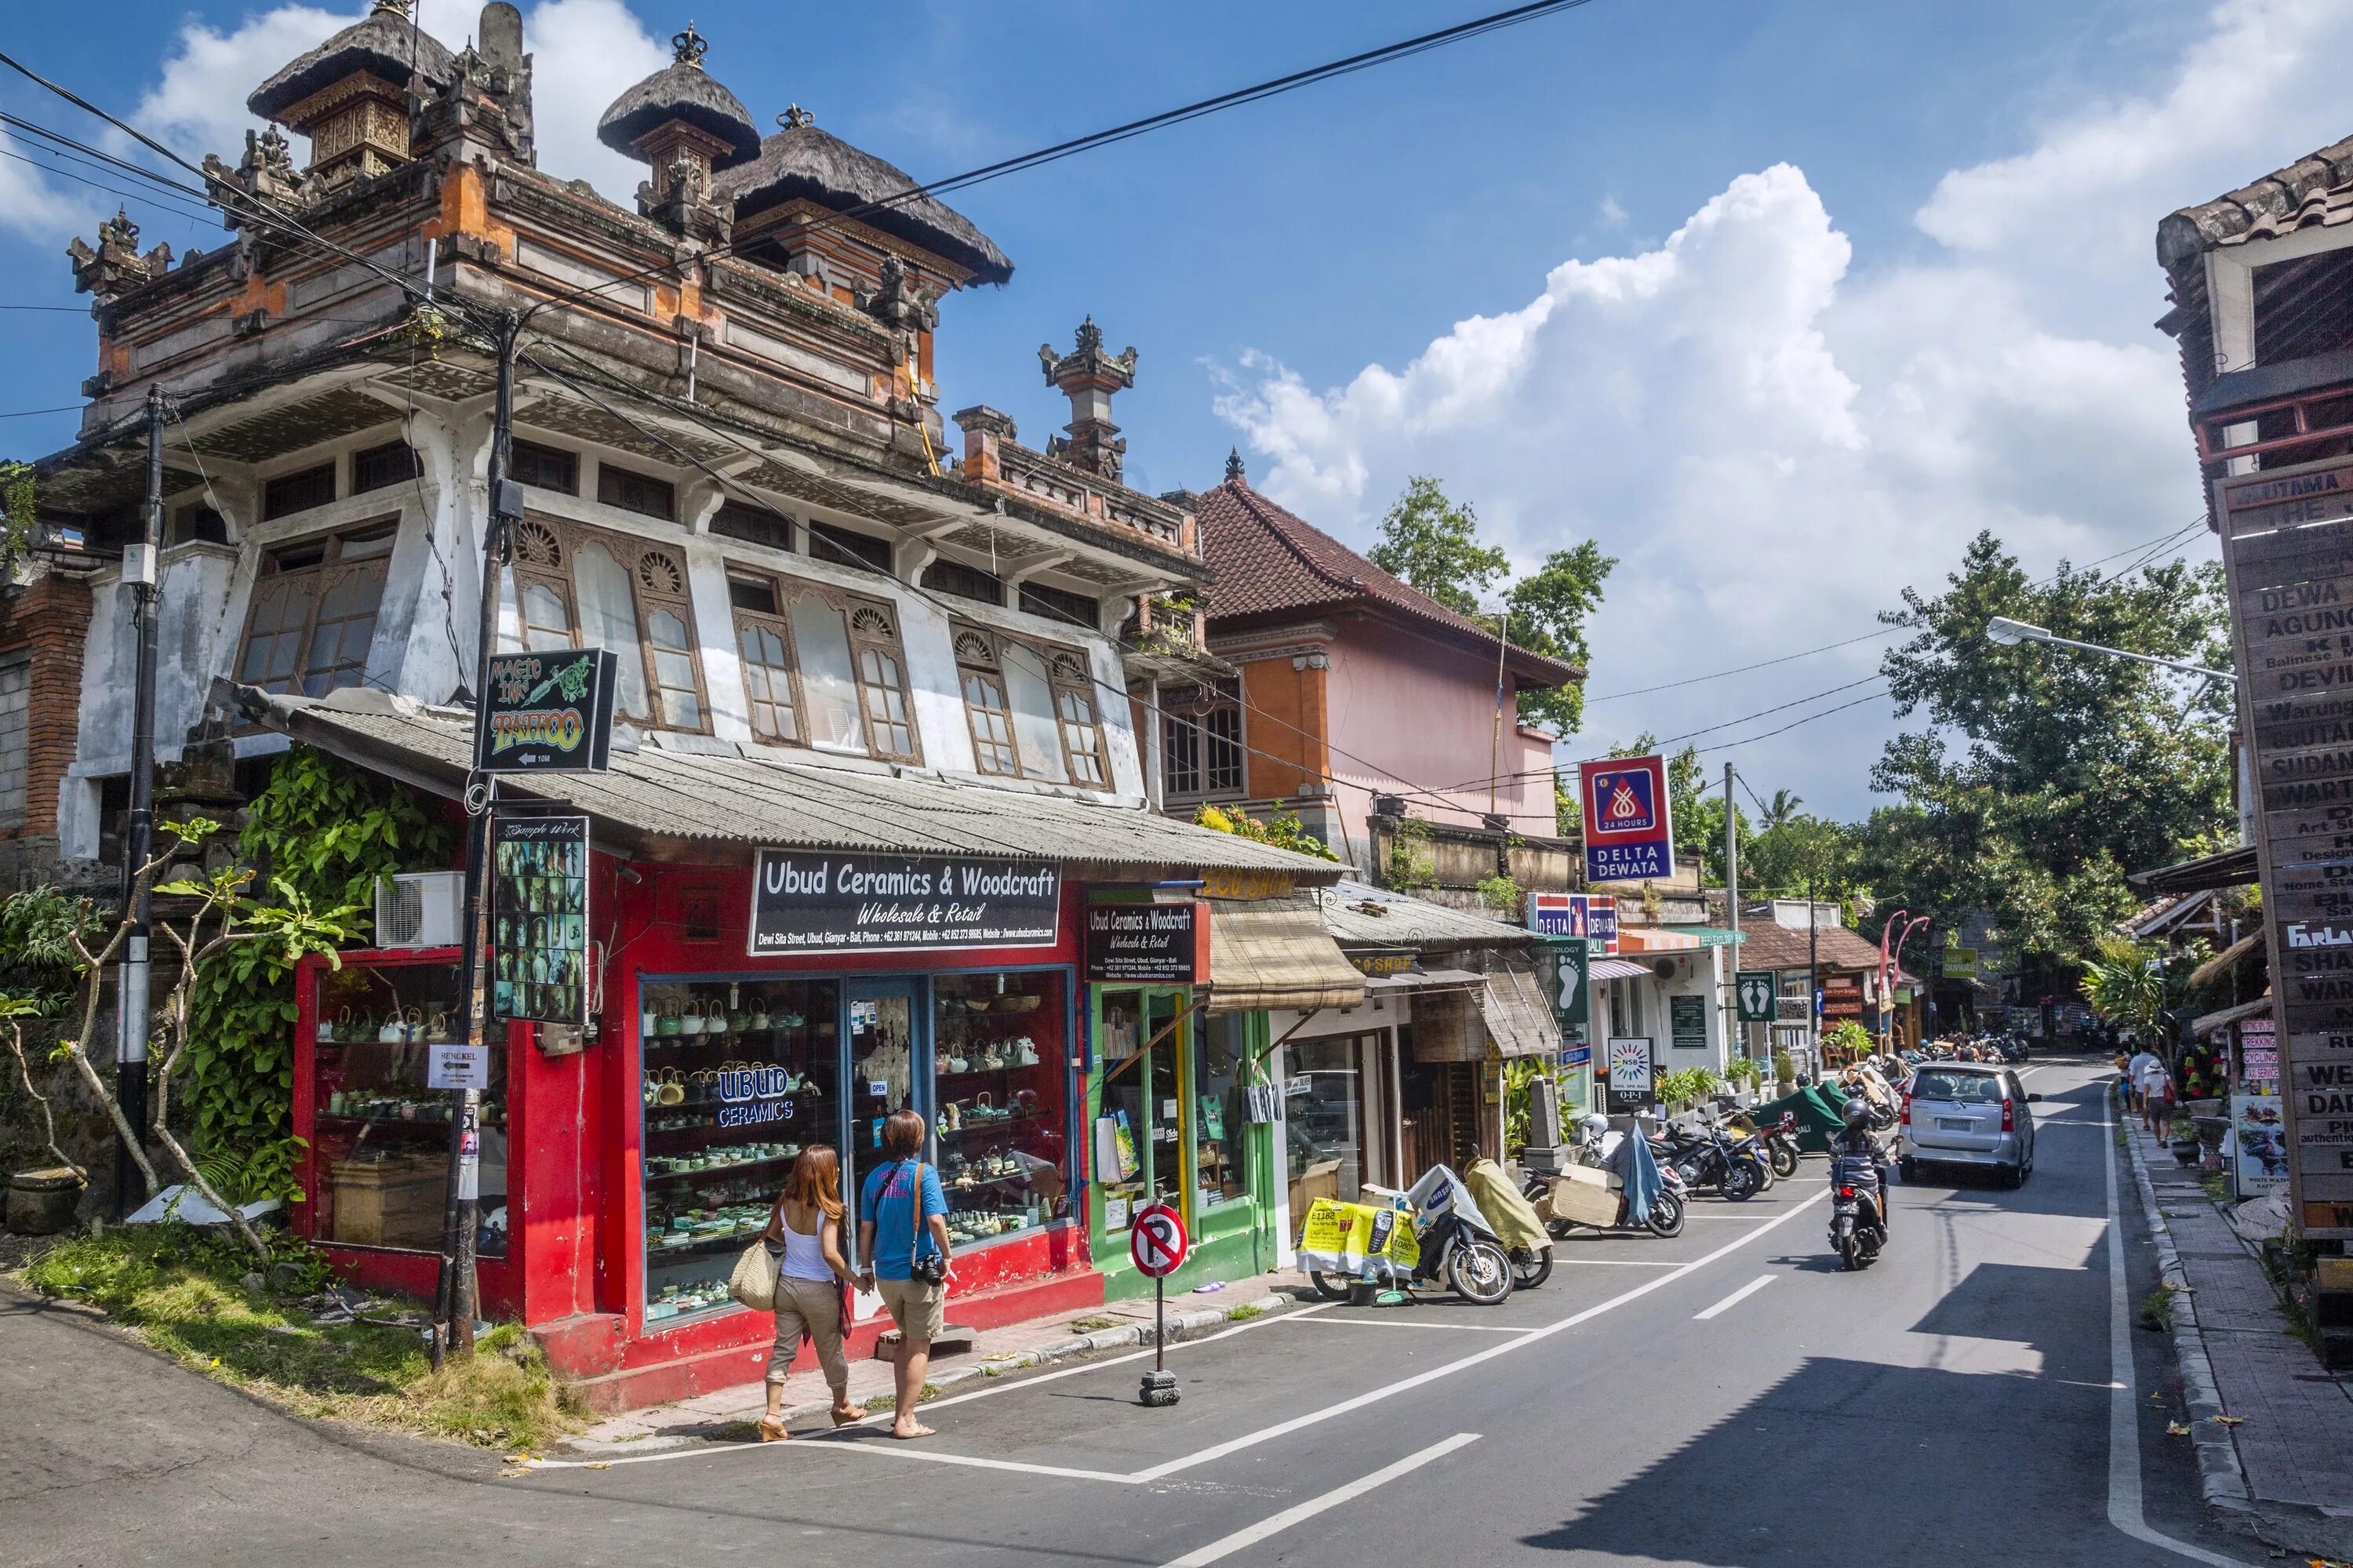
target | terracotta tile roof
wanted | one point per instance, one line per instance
(1271, 561)
(1766, 945)
(2315, 191)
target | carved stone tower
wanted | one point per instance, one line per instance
(1088, 376)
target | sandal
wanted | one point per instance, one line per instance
(772, 1430)
(911, 1436)
(848, 1418)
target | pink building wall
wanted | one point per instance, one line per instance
(1423, 712)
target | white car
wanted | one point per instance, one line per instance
(1966, 1113)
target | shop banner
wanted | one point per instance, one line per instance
(807, 901)
(2262, 1146)
(1628, 829)
(549, 712)
(1145, 944)
(1630, 1074)
(1590, 917)
(539, 918)
(1573, 1003)
(2287, 553)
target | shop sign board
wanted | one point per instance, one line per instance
(817, 901)
(1145, 944)
(1631, 1085)
(1629, 827)
(1158, 1244)
(2288, 554)
(458, 1066)
(1753, 990)
(1380, 963)
(1588, 917)
(548, 712)
(539, 918)
(1573, 1003)
(1577, 1056)
(1687, 1022)
(1960, 963)
(1841, 996)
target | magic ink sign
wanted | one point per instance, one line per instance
(1629, 829)
(817, 901)
(548, 712)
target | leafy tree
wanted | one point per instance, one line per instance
(2047, 773)
(1548, 609)
(1433, 544)
(16, 503)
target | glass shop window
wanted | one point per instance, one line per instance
(1323, 1120)
(736, 1077)
(380, 1138)
(1219, 1116)
(1000, 1115)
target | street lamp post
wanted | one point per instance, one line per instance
(2001, 629)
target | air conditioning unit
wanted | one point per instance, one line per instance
(419, 909)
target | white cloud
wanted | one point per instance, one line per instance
(1775, 441)
(585, 53)
(44, 211)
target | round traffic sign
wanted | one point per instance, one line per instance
(1157, 1242)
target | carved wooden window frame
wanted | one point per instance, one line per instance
(1077, 713)
(316, 582)
(872, 627)
(1187, 711)
(658, 584)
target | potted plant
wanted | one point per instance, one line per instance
(1785, 1075)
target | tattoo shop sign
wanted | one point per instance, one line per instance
(819, 902)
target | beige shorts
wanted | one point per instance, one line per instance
(920, 1309)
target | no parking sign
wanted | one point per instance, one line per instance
(1158, 1244)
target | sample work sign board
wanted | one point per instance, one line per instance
(2287, 547)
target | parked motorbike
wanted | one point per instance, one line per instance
(1705, 1156)
(1858, 1222)
(1432, 1234)
(1597, 1151)
(1781, 1145)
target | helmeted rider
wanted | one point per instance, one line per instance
(1855, 1139)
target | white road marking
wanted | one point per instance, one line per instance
(2125, 1510)
(1403, 1385)
(1226, 1546)
(1623, 1262)
(1735, 1299)
(1408, 1323)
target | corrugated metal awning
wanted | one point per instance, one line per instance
(1617, 969)
(1273, 953)
(1519, 1022)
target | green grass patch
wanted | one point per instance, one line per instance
(2155, 1310)
(2218, 1186)
(203, 1300)
(1088, 1325)
(890, 1401)
(1245, 1312)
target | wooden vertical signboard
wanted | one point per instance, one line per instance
(2287, 547)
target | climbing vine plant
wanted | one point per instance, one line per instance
(327, 831)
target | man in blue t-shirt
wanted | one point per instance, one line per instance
(887, 1240)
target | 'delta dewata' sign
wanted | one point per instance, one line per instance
(807, 901)
(1628, 834)
(549, 712)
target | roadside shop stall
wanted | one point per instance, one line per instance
(770, 957)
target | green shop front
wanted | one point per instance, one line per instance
(1180, 1101)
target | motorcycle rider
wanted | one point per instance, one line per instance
(1856, 1139)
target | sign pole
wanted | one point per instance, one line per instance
(1157, 1244)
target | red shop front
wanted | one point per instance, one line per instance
(624, 1167)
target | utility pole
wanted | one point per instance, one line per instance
(454, 1303)
(1731, 913)
(1814, 973)
(132, 974)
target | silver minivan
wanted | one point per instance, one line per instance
(1966, 1113)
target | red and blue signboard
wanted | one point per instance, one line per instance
(1588, 917)
(1628, 829)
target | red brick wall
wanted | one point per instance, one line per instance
(48, 619)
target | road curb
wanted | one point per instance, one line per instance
(2222, 1478)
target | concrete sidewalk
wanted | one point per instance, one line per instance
(2273, 1428)
(728, 1414)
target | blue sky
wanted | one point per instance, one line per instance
(1780, 302)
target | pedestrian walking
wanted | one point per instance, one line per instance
(812, 1277)
(2137, 1072)
(2157, 1097)
(903, 1235)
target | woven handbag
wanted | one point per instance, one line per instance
(754, 1282)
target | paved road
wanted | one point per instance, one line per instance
(1725, 1399)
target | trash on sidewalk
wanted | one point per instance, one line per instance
(183, 1202)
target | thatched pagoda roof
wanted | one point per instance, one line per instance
(801, 162)
(682, 90)
(384, 42)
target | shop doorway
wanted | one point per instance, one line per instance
(1439, 1101)
(1143, 1123)
(1327, 1095)
(879, 1019)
